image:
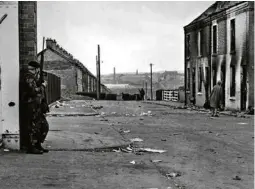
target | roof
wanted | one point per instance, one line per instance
(72, 61)
(215, 8)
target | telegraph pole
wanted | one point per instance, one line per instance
(97, 67)
(151, 81)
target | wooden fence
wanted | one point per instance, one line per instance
(53, 88)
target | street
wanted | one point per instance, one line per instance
(94, 151)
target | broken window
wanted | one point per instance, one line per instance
(188, 79)
(200, 79)
(188, 46)
(232, 36)
(214, 39)
(232, 81)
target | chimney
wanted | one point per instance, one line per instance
(50, 43)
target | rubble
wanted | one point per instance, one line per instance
(237, 178)
(173, 175)
(156, 161)
(151, 150)
(132, 162)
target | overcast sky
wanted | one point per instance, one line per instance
(131, 34)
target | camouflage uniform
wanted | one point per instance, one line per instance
(30, 103)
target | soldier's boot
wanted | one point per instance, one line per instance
(39, 147)
(33, 150)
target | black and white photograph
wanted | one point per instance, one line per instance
(127, 94)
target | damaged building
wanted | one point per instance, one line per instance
(219, 45)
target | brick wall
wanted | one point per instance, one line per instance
(27, 31)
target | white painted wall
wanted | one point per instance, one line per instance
(9, 63)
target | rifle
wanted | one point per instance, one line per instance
(41, 64)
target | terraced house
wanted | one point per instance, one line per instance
(219, 45)
(75, 77)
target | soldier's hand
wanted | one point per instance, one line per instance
(44, 83)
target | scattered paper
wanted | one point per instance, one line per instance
(136, 140)
(132, 162)
(151, 150)
(127, 131)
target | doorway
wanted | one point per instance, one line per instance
(243, 87)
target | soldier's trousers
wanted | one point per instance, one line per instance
(44, 128)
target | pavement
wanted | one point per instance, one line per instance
(94, 151)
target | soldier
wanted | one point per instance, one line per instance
(30, 99)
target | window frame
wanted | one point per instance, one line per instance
(214, 39)
(199, 89)
(232, 35)
(232, 81)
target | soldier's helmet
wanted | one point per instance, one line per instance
(34, 64)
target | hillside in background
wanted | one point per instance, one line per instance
(131, 82)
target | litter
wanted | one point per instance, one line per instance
(173, 175)
(116, 150)
(71, 107)
(132, 162)
(156, 161)
(242, 123)
(151, 150)
(136, 140)
(236, 178)
(6, 150)
(127, 131)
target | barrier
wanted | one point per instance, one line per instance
(170, 95)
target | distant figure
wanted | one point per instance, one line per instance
(142, 93)
(216, 99)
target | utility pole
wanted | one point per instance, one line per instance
(98, 72)
(146, 90)
(97, 67)
(151, 81)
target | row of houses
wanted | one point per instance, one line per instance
(219, 45)
(75, 77)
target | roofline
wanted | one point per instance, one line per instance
(210, 15)
(72, 62)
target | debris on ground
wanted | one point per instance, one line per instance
(114, 150)
(242, 123)
(127, 149)
(97, 107)
(151, 150)
(236, 178)
(126, 114)
(146, 114)
(56, 106)
(71, 107)
(163, 139)
(102, 113)
(132, 162)
(136, 140)
(156, 161)
(113, 113)
(141, 118)
(173, 175)
(127, 131)
(6, 150)
(139, 153)
(96, 133)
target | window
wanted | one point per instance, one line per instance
(232, 81)
(188, 79)
(188, 46)
(200, 79)
(214, 39)
(232, 36)
(199, 43)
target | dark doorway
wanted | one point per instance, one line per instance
(243, 87)
(194, 85)
(223, 80)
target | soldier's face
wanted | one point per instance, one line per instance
(32, 69)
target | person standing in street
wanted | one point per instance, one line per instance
(142, 93)
(216, 99)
